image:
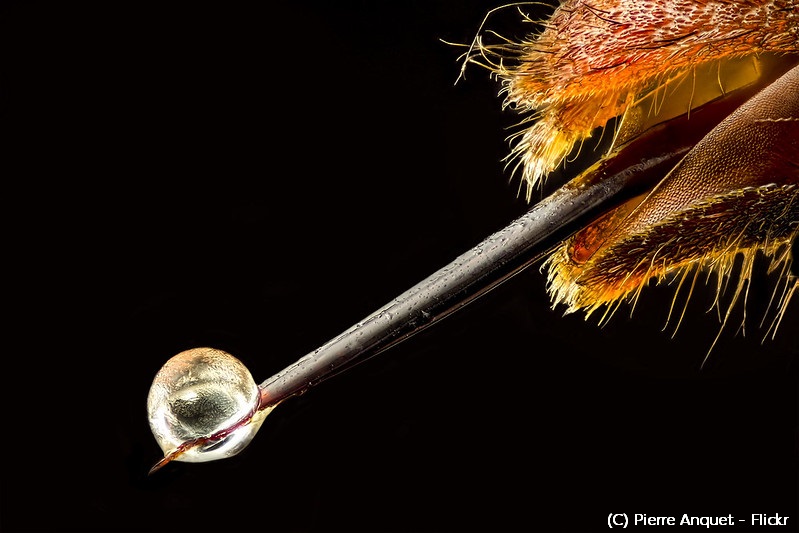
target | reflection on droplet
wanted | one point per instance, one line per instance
(205, 401)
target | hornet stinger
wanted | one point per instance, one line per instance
(700, 99)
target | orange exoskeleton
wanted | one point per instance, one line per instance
(653, 70)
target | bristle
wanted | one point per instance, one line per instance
(641, 63)
(591, 60)
(760, 220)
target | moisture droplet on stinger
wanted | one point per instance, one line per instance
(197, 394)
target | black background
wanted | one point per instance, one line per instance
(258, 179)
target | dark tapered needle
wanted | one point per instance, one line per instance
(611, 181)
(614, 179)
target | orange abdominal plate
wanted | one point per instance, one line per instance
(601, 48)
(594, 58)
(736, 191)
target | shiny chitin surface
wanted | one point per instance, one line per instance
(734, 194)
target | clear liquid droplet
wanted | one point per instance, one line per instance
(208, 396)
